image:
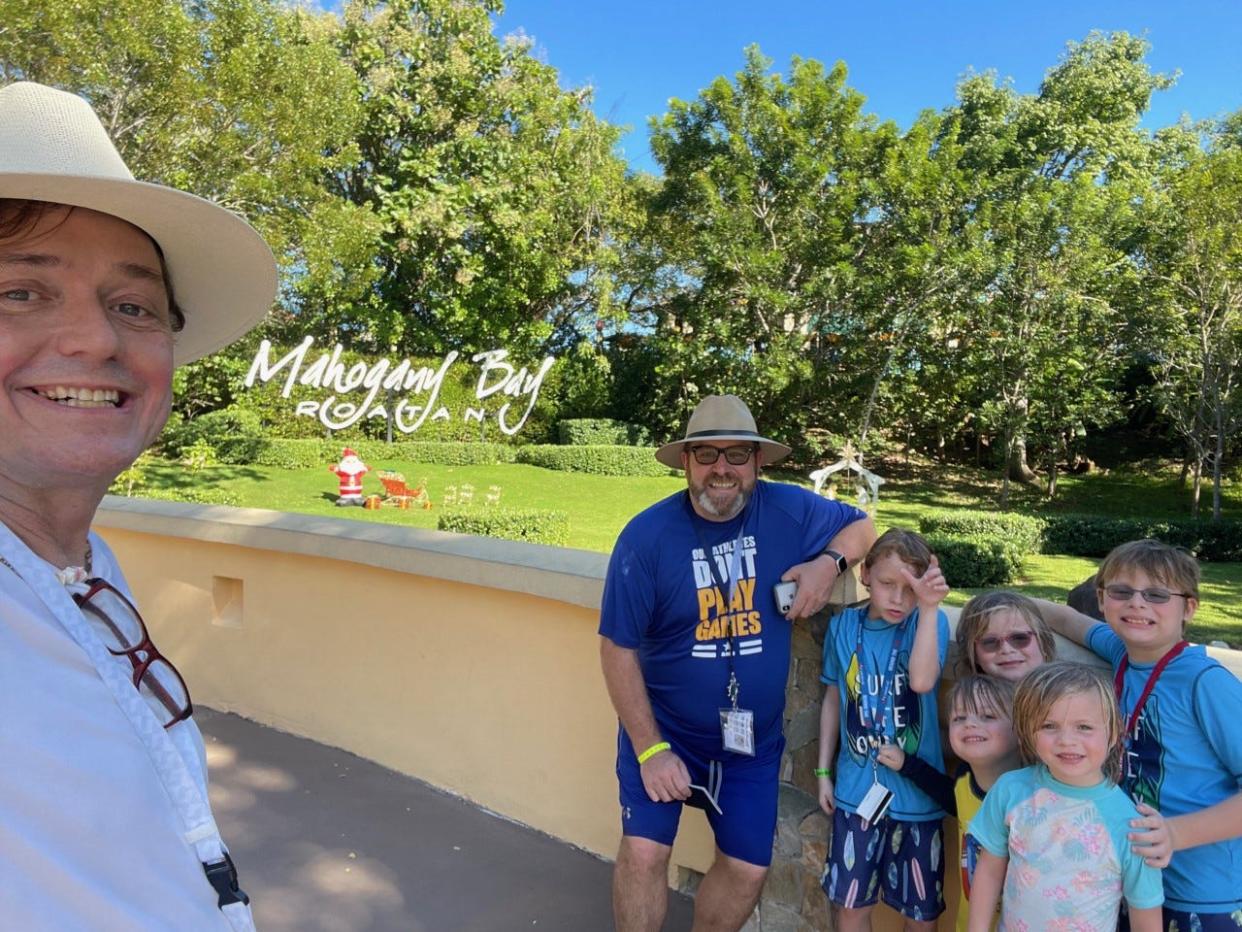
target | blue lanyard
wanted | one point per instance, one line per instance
(873, 712)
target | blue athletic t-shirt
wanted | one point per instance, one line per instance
(909, 719)
(1185, 755)
(661, 600)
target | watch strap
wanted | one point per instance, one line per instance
(843, 564)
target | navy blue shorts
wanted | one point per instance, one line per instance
(901, 862)
(745, 789)
(1174, 920)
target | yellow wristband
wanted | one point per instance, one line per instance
(653, 751)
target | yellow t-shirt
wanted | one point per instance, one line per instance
(969, 798)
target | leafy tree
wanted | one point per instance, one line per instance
(754, 230)
(239, 101)
(492, 187)
(1058, 175)
(1193, 261)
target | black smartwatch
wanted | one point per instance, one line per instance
(843, 564)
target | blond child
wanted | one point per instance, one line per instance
(1054, 834)
(1183, 741)
(1002, 634)
(882, 662)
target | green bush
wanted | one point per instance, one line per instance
(1083, 535)
(429, 451)
(1022, 531)
(597, 459)
(179, 435)
(536, 526)
(977, 561)
(596, 431)
(300, 454)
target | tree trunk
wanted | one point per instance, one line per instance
(1217, 458)
(1004, 502)
(1018, 469)
(1197, 484)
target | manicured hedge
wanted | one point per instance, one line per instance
(977, 561)
(1095, 535)
(1022, 531)
(299, 454)
(197, 496)
(597, 459)
(532, 525)
(594, 431)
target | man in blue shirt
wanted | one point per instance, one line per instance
(695, 652)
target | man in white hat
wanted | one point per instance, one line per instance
(106, 284)
(695, 652)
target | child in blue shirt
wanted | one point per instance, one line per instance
(882, 662)
(1181, 714)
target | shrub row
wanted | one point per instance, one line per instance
(535, 526)
(299, 454)
(976, 561)
(1021, 531)
(1095, 535)
(596, 431)
(597, 459)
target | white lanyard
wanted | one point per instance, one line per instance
(188, 795)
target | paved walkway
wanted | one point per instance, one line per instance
(328, 842)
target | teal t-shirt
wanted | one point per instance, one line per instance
(909, 718)
(1069, 855)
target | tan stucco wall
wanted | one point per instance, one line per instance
(466, 663)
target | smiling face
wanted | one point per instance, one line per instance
(1148, 629)
(892, 599)
(981, 735)
(85, 350)
(1073, 739)
(1007, 647)
(719, 491)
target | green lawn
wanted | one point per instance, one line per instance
(599, 506)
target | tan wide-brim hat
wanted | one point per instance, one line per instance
(53, 148)
(721, 417)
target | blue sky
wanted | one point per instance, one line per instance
(903, 55)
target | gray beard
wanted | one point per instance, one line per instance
(706, 503)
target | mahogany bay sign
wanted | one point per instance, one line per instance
(419, 384)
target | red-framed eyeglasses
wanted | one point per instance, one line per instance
(124, 633)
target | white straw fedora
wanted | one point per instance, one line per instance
(53, 148)
(721, 417)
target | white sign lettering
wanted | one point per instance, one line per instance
(421, 385)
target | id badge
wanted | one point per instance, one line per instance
(874, 804)
(737, 731)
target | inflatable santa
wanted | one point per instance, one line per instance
(350, 471)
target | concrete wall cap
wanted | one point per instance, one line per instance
(561, 573)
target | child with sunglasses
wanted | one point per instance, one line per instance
(1053, 835)
(1002, 634)
(1181, 711)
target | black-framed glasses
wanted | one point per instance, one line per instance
(1153, 596)
(734, 456)
(122, 630)
(1019, 640)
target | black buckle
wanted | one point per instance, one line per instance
(222, 876)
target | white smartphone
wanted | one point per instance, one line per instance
(784, 593)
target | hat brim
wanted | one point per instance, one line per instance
(223, 273)
(773, 452)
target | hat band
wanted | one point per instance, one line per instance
(722, 433)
